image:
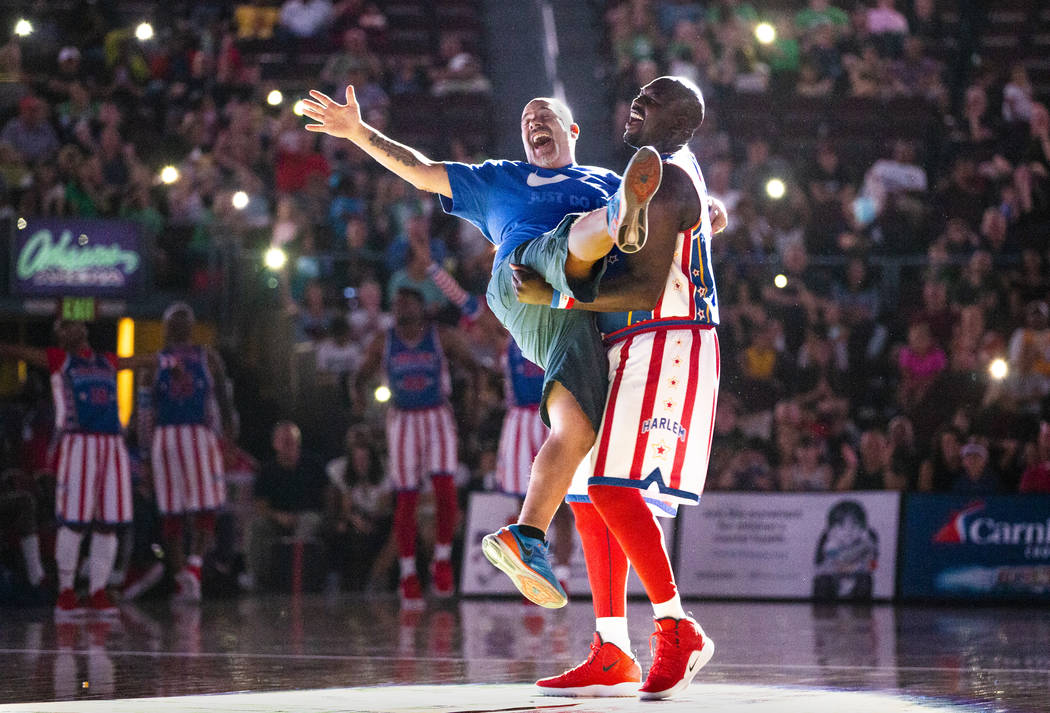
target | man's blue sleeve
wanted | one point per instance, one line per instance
(471, 188)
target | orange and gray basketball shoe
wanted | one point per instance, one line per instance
(680, 648)
(525, 560)
(608, 671)
(626, 212)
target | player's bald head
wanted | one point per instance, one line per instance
(684, 98)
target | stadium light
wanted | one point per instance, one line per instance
(780, 281)
(168, 175)
(274, 98)
(297, 108)
(765, 33)
(775, 188)
(239, 200)
(275, 258)
(998, 369)
(382, 394)
(21, 223)
(144, 32)
(23, 28)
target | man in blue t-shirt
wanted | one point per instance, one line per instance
(524, 209)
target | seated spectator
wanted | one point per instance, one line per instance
(964, 194)
(459, 71)
(936, 311)
(305, 19)
(905, 460)
(874, 470)
(821, 50)
(758, 368)
(30, 133)
(918, 75)
(921, 362)
(868, 74)
(887, 26)
(898, 180)
(808, 471)
(1018, 104)
(289, 499)
(976, 477)
(353, 57)
(810, 82)
(939, 471)
(1036, 477)
(1032, 175)
(1029, 358)
(368, 319)
(821, 13)
(360, 514)
(313, 315)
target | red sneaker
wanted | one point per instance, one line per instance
(67, 606)
(442, 579)
(607, 672)
(411, 592)
(100, 603)
(680, 648)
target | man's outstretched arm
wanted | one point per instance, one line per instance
(344, 121)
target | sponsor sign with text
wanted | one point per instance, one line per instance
(839, 546)
(959, 547)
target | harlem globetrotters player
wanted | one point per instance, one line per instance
(421, 433)
(190, 412)
(652, 449)
(93, 489)
(522, 209)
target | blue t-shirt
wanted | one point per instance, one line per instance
(512, 202)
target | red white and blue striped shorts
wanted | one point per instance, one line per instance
(93, 479)
(421, 442)
(187, 469)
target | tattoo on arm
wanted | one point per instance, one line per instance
(394, 150)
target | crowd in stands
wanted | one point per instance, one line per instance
(863, 304)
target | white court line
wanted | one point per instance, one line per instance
(356, 657)
(724, 698)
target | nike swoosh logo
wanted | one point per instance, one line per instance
(606, 668)
(536, 180)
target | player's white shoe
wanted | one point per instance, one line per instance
(627, 210)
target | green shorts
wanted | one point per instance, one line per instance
(565, 343)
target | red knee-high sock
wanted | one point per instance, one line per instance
(635, 527)
(606, 562)
(405, 522)
(447, 508)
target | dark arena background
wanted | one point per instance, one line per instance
(874, 533)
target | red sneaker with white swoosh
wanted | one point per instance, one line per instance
(680, 649)
(608, 671)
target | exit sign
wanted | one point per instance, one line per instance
(78, 309)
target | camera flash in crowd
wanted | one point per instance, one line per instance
(275, 258)
(382, 394)
(169, 175)
(144, 32)
(775, 188)
(297, 108)
(274, 98)
(998, 369)
(765, 33)
(780, 281)
(240, 200)
(23, 28)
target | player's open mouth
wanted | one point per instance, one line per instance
(636, 117)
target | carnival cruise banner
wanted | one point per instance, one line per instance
(960, 547)
(54, 257)
(487, 512)
(829, 546)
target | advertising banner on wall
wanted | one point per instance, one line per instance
(487, 512)
(57, 257)
(837, 546)
(959, 547)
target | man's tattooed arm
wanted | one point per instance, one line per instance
(401, 154)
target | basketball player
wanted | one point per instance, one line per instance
(522, 208)
(421, 433)
(191, 411)
(93, 489)
(653, 445)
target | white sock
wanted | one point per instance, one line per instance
(67, 551)
(103, 557)
(31, 554)
(443, 552)
(408, 566)
(671, 608)
(613, 629)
